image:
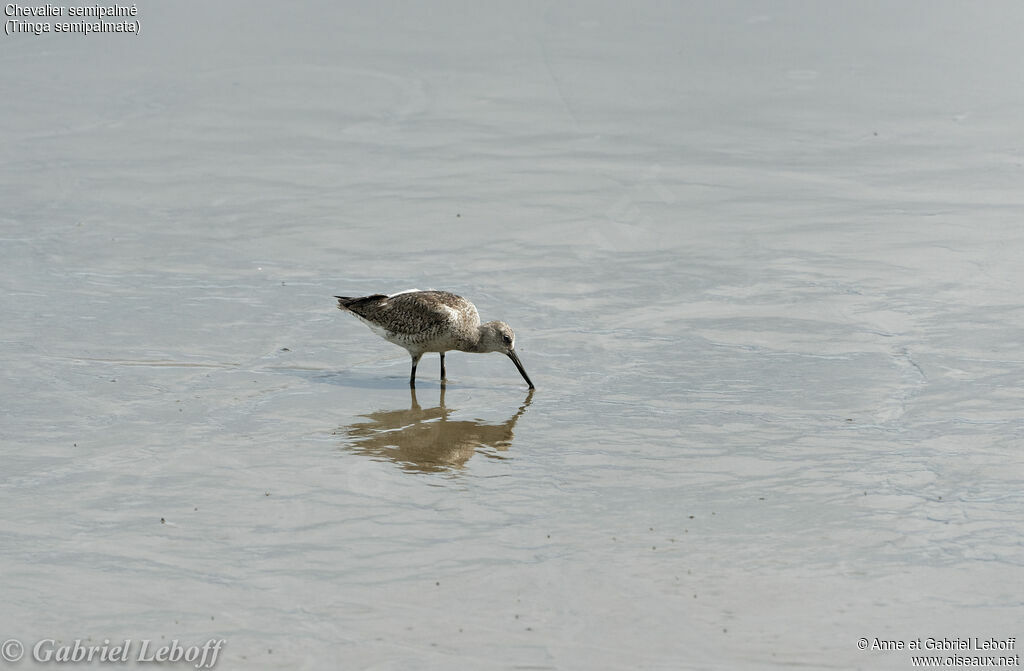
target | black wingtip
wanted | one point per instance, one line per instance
(348, 303)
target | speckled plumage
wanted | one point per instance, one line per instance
(432, 321)
(420, 321)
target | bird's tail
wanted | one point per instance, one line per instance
(347, 302)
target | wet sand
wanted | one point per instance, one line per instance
(763, 265)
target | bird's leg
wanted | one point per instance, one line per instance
(412, 375)
(442, 367)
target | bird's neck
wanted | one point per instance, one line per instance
(473, 340)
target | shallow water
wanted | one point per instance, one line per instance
(763, 265)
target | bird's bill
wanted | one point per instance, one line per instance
(519, 364)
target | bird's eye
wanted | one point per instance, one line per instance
(508, 341)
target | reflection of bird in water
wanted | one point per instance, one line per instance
(426, 440)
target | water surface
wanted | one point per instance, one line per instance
(763, 266)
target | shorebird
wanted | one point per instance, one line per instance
(432, 321)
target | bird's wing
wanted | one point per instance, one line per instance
(423, 311)
(413, 312)
(409, 313)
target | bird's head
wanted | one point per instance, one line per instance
(499, 337)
